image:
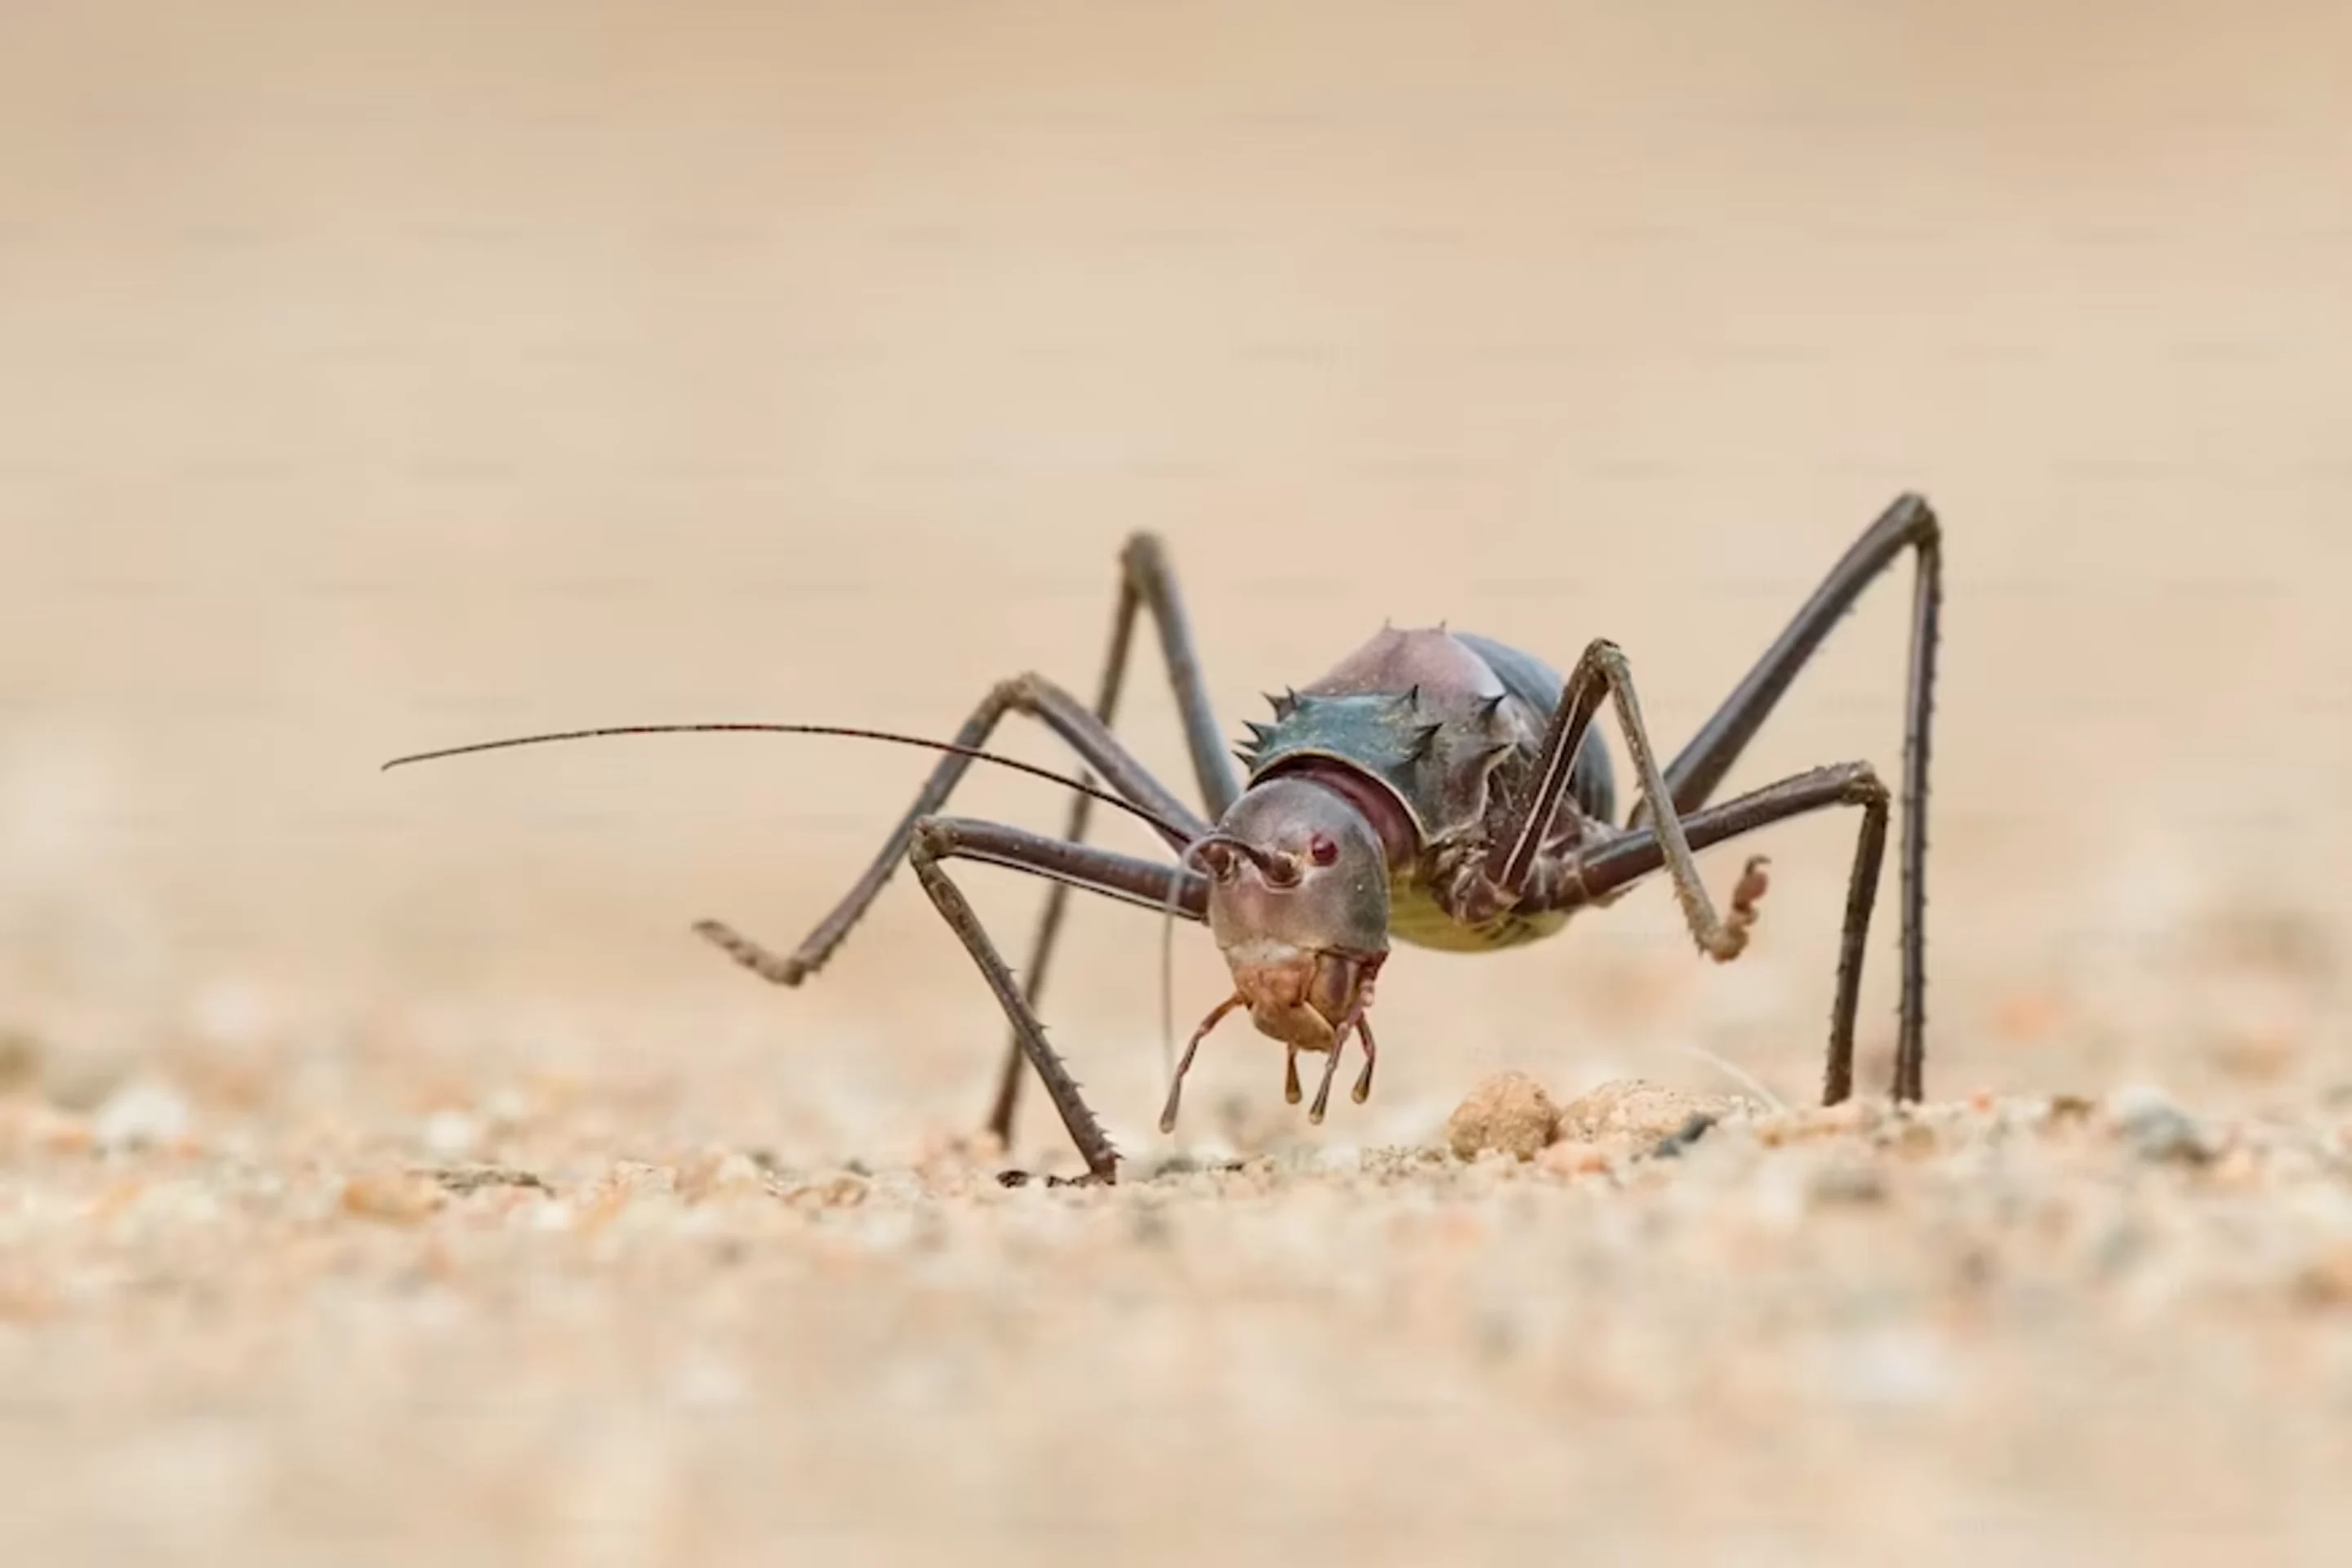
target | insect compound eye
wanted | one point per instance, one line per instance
(1322, 850)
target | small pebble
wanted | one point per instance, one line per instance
(1637, 1108)
(721, 1174)
(451, 1135)
(845, 1190)
(2157, 1130)
(142, 1114)
(1509, 1113)
(393, 1198)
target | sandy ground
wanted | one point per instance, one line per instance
(385, 1169)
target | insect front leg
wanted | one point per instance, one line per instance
(1030, 694)
(1154, 886)
(1145, 581)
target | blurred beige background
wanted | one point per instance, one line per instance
(373, 378)
(379, 377)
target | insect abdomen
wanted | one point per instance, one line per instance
(1416, 917)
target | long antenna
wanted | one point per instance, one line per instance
(1181, 836)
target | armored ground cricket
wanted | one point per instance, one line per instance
(1432, 787)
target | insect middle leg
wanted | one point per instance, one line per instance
(1510, 874)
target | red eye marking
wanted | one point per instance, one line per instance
(1321, 850)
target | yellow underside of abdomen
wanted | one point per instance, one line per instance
(1418, 919)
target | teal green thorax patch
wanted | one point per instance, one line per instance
(1434, 760)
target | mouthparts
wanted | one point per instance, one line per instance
(1308, 999)
(1305, 998)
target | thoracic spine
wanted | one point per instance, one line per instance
(1437, 762)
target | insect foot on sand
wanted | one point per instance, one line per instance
(1432, 787)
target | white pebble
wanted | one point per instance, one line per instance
(143, 1112)
(451, 1134)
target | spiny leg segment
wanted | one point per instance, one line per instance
(1638, 852)
(1909, 524)
(1666, 839)
(1145, 581)
(1512, 866)
(1143, 882)
(1031, 694)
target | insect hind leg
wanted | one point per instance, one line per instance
(1597, 872)
(1910, 524)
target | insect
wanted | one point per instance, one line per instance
(1433, 787)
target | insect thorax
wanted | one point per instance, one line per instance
(1434, 763)
(1447, 728)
